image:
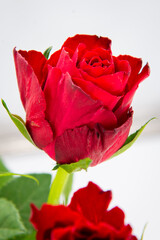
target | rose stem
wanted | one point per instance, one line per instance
(57, 186)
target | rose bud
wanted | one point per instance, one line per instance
(78, 102)
(86, 217)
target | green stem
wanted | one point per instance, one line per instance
(57, 186)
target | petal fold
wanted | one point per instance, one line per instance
(33, 101)
(91, 41)
(67, 105)
(97, 143)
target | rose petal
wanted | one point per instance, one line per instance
(99, 52)
(85, 202)
(67, 105)
(96, 71)
(118, 138)
(33, 101)
(90, 42)
(97, 93)
(64, 232)
(44, 221)
(115, 217)
(34, 216)
(104, 117)
(98, 144)
(66, 64)
(126, 232)
(113, 83)
(37, 61)
(54, 58)
(125, 103)
(78, 53)
(136, 64)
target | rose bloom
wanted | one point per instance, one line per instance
(86, 218)
(77, 102)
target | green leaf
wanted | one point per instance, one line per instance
(74, 167)
(131, 139)
(10, 222)
(22, 192)
(47, 52)
(3, 169)
(31, 236)
(18, 121)
(67, 188)
(6, 174)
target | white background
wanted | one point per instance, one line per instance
(133, 27)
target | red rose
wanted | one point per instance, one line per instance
(77, 103)
(86, 218)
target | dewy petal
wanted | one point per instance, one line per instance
(37, 61)
(97, 143)
(91, 202)
(67, 105)
(97, 93)
(33, 101)
(90, 42)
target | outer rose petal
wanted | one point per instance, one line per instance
(97, 93)
(115, 217)
(91, 202)
(33, 101)
(136, 65)
(67, 105)
(125, 103)
(90, 42)
(119, 138)
(34, 57)
(98, 144)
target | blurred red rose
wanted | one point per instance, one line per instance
(77, 103)
(86, 218)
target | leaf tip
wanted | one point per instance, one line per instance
(47, 52)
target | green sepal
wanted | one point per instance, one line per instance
(20, 124)
(130, 140)
(10, 220)
(7, 174)
(74, 167)
(47, 52)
